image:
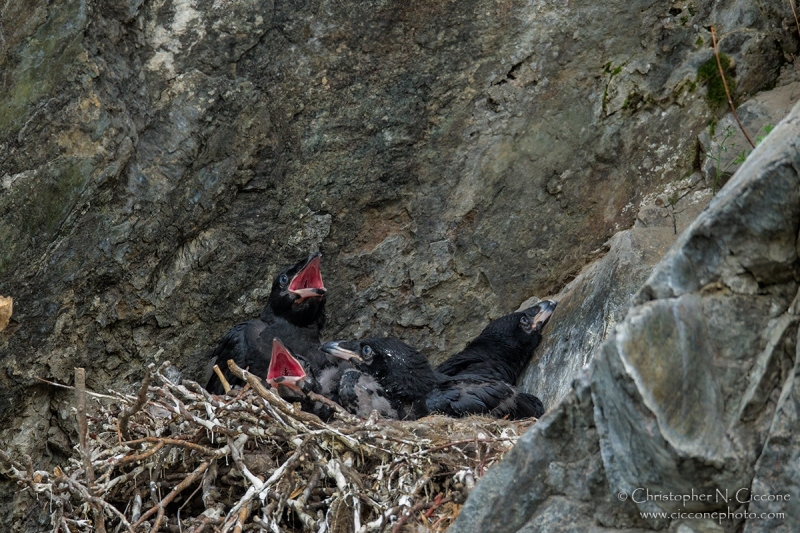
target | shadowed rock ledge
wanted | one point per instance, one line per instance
(694, 391)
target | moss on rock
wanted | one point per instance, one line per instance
(708, 73)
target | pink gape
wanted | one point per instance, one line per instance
(308, 282)
(284, 369)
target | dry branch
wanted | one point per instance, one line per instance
(725, 85)
(191, 478)
(225, 385)
(140, 400)
(83, 427)
(254, 461)
(796, 22)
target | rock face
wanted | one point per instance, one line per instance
(592, 304)
(589, 308)
(693, 391)
(725, 146)
(159, 161)
(599, 297)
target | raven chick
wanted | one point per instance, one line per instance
(504, 347)
(295, 312)
(288, 375)
(361, 394)
(415, 389)
(358, 393)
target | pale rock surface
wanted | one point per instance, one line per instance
(693, 390)
(6, 309)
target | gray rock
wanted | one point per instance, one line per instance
(775, 492)
(599, 297)
(693, 389)
(193, 148)
(726, 147)
(588, 309)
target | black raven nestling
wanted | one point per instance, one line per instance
(415, 389)
(295, 313)
(293, 378)
(504, 347)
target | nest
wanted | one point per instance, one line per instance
(176, 458)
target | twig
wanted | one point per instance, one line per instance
(727, 92)
(791, 3)
(225, 384)
(257, 489)
(437, 501)
(193, 494)
(159, 518)
(88, 392)
(205, 521)
(180, 487)
(141, 456)
(343, 413)
(458, 442)
(140, 401)
(95, 501)
(405, 515)
(83, 427)
(180, 408)
(244, 512)
(299, 504)
(237, 448)
(219, 452)
(208, 484)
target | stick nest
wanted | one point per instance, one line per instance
(176, 458)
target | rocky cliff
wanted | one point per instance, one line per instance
(159, 160)
(693, 393)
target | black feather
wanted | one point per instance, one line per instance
(503, 348)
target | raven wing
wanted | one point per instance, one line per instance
(242, 344)
(466, 396)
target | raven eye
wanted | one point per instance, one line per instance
(284, 279)
(524, 320)
(366, 351)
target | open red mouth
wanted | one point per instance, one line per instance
(284, 369)
(308, 282)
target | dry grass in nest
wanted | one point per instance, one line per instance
(175, 458)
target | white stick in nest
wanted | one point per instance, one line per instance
(237, 448)
(335, 473)
(261, 491)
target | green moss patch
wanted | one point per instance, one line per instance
(36, 211)
(42, 63)
(708, 74)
